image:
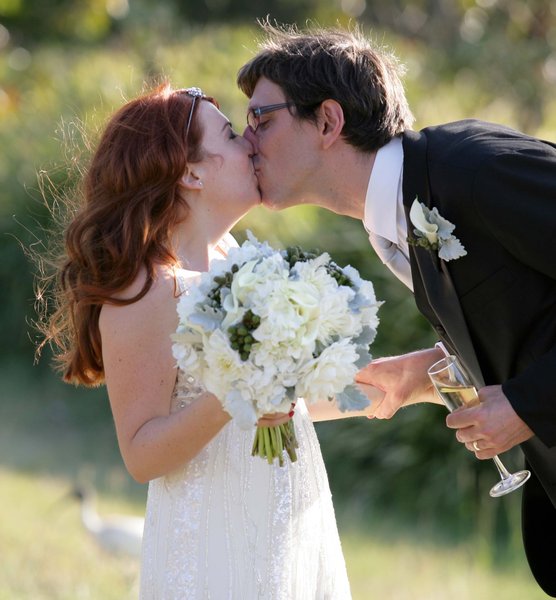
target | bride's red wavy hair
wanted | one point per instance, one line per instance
(131, 198)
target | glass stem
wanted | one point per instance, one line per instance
(504, 473)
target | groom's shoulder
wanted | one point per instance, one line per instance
(472, 139)
(470, 129)
(473, 131)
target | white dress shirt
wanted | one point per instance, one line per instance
(384, 218)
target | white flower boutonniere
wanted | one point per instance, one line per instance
(434, 232)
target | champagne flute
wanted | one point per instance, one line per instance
(454, 387)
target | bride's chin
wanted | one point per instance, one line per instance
(269, 204)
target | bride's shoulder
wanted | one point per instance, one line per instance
(162, 280)
(159, 298)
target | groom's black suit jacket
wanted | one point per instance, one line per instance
(496, 306)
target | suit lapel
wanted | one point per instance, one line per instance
(434, 290)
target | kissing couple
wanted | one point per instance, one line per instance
(462, 213)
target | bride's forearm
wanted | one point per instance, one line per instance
(165, 443)
(327, 410)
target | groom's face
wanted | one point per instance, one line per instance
(286, 155)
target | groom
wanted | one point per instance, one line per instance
(331, 126)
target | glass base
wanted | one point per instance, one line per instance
(511, 483)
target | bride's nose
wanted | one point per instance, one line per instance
(250, 136)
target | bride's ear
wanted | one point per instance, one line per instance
(331, 122)
(191, 180)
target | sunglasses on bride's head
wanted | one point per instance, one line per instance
(195, 93)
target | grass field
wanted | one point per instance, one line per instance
(47, 555)
(406, 569)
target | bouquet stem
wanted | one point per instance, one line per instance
(270, 443)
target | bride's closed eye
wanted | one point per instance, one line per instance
(232, 134)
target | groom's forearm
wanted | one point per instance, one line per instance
(403, 378)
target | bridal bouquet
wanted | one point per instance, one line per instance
(265, 327)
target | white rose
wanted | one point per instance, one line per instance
(328, 374)
(290, 314)
(304, 298)
(336, 318)
(224, 365)
(281, 318)
(270, 268)
(186, 350)
(252, 285)
(313, 272)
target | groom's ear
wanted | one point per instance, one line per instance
(331, 122)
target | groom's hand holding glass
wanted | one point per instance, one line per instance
(492, 427)
(457, 391)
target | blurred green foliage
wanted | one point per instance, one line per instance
(65, 65)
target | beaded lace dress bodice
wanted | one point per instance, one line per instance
(229, 526)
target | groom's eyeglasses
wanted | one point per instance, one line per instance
(254, 114)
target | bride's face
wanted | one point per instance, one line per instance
(230, 187)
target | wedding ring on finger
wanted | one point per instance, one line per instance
(476, 446)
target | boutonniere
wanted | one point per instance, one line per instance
(434, 232)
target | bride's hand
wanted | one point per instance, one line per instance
(275, 419)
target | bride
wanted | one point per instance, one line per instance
(168, 180)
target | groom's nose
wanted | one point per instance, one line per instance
(250, 136)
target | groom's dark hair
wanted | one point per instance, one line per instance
(314, 65)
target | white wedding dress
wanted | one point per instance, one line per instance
(229, 526)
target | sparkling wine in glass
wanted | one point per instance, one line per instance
(454, 387)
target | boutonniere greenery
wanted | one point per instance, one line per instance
(434, 232)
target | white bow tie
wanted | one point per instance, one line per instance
(393, 258)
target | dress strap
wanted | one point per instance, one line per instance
(227, 242)
(185, 279)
